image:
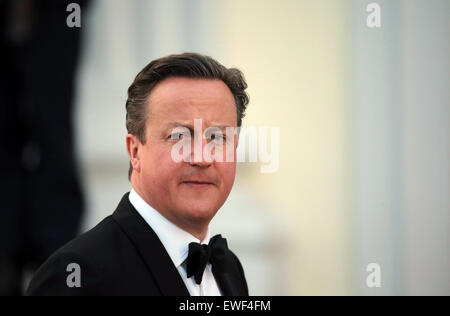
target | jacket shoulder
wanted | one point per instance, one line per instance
(77, 267)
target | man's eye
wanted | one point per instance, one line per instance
(217, 137)
(176, 135)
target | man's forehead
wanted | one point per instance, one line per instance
(181, 115)
(179, 101)
(179, 88)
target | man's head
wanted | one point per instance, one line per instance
(168, 93)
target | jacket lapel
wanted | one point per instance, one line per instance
(230, 282)
(150, 248)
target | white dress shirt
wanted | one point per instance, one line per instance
(176, 241)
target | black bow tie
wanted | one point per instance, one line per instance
(216, 252)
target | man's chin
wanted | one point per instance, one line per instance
(199, 212)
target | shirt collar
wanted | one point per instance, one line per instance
(174, 239)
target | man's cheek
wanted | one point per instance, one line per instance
(227, 175)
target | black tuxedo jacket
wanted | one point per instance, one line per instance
(122, 255)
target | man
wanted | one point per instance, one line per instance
(157, 241)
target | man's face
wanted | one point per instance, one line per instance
(187, 193)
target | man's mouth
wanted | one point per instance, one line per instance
(198, 184)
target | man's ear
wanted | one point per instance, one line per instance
(133, 146)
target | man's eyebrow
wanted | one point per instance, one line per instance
(221, 126)
(180, 124)
(190, 126)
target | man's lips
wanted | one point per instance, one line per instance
(198, 184)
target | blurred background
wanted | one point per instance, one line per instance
(364, 119)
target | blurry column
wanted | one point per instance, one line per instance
(376, 135)
(427, 146)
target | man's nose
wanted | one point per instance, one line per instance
(197, 158)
